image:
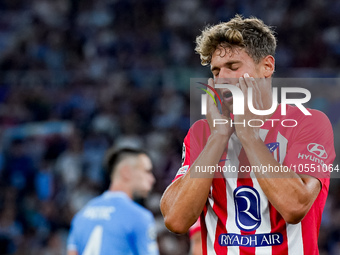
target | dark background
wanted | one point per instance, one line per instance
(77, 77)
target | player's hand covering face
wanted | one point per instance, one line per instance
(236, 67)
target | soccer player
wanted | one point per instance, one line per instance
(251, 212)
(113, 223)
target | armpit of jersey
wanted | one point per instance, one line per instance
(182, 171)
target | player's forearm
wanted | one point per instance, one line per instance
(291, 195)
(184, 200)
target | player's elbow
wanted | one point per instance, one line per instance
(296, 211)
(293, 219)
(175, 212)
(175, 225)
(172, 221)
(172, 217)
(295, 214)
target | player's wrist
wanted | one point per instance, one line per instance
(250, 139)
(219, 137)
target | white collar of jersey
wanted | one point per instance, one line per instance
(109, 194)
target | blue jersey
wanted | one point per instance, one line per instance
(113, 224)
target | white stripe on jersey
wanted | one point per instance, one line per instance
(283, 146)
(234, 149)
(211, 223)
(263, 133)
(265, 226)
(294, 236)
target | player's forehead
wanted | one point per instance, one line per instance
(228, 55)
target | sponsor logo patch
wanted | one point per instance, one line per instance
(317, 149)
(256, 240)
(182, 170)
(247, 208)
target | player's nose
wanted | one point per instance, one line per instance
(226, 80)
(152, 179)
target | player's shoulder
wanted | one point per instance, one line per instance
(92, 202)
(200, 124)
(129, 206)
(131, 209)
(100, 200)
(198, 132)
(96, 201)
(200, 127)
(315, 115)
(316, 122)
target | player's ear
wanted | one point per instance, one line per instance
(268, 66)
(126, 172)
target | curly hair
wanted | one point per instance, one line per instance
(252, 34)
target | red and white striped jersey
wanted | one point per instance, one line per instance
(237, 217)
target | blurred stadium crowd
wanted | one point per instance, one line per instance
(80, 76)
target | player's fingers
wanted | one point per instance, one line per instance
(211, 96)
(251, 84)
(248, 81)
(255, 84)
(225, 111)
(211, 99)
(243, 86)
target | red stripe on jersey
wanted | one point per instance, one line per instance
(245, 180)
(220, 201)
(204, 231)
(311, 225)
(278, 225)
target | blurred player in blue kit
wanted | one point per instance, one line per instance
(113, 223)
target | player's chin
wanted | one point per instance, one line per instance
(145, 193)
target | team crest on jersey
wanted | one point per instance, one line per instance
(247, 208)
(274, 148)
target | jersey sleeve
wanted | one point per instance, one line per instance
(312, 150)
(71, 239)
(144, 236)
(193, 144)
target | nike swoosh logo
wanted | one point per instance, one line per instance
(224, 160)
